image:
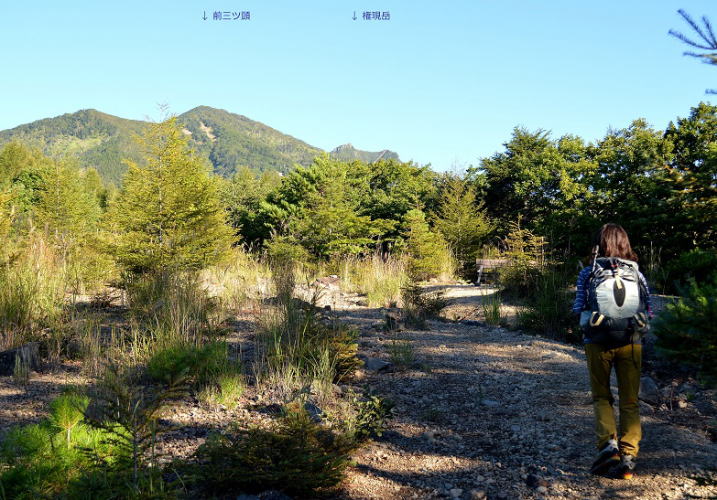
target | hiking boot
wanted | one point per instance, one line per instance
(624, 469)
(609, 456)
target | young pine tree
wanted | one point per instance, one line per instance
(462, 222)
(168, 216)
(427, 251)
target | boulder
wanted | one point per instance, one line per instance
(376, 364)
(28, 354)
(649, 392)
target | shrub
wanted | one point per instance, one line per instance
(296, 349)
(39, 460)
(31, 293)
(526, 256)
(419, 305)
(174, 306)
(203, 366)
(427, 251)
(549, 305)
(697, 264)
(380, 279)
(294, 455)
(492, 309)
(127, 413)
(402, 353)
(370, 417)
(687, 329)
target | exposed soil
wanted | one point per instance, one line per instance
(485, 412)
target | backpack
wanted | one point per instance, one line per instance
(617, 300)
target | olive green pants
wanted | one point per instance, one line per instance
(627, 361)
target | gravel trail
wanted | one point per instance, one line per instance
(495, 413)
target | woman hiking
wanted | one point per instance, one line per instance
(613, 301)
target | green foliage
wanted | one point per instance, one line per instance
(66, 207)
(242, 196)
(526, 254)
(697, 264)
(294, 455)
(39, 460)
(427, 251)
(371, 416)
(208, 367)
(402, 353)
(687, 329)
(463, 223)
(536, 178)
(127, 413)
(492, 309)
(168, 215)
(31, 293)
(690, 177)
(174, 306)
(549, 303)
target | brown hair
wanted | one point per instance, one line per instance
(612, 241)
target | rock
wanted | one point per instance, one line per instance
(247, 497)
(456, 492)
(376, 365)
(29, 354)
(645, 408)
(477, 494)
(541, 489)
(314, 411)
(649, 391)
(682, 404)
(490, 402)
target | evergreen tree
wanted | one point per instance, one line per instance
(66, 208)
(330, 226)
(168, 215)
(462, 221)
(427, 251)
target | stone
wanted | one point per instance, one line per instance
(541, 489)
(490, 402)
(314, 411)
(649, 391)
(477, 494)
(376, 365)
(456, 492)
(29, 354)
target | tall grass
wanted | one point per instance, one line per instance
(550, 299)
(240, 282)
(298, 352)
(174, 308)
(31, 293)
(380, 279)
(492, 309)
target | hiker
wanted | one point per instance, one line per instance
(613, 301)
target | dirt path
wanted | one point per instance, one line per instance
(494, 413)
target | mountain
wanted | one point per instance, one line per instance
(348, 153)
(226, 140)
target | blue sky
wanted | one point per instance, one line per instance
(442, 82)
